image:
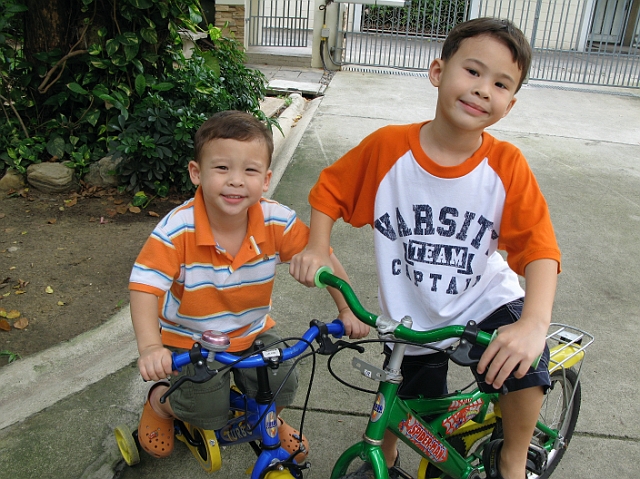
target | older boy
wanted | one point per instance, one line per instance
(210, 264)
(443, 196)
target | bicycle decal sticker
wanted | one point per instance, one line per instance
(271, 424)
(235, 431)
(457, 403)
(423, 439)
(378, 408)
(458, 419)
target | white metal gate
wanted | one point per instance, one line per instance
(574, 41)
(279, 23)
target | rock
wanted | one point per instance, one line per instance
(102, 173)
(51, 178)
(12, 180)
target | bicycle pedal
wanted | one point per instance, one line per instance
(536, 459)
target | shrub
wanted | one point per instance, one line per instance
(123, 88)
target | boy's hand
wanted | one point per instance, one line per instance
(353, 327)
(154, 363)
(304, 265)
(513, 350)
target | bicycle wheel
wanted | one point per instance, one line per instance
(558, 414)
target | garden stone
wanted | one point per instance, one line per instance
(102, 173)
(51, 178)
(12, 180)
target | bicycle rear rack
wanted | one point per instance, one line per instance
(567, 345)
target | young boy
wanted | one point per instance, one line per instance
(210, 264)
(443, 196)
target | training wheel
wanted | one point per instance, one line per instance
(127, 445)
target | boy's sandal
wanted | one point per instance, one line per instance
(290, 441)
(155, 433)
(491, 459)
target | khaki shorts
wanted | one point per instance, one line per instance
(206, 405)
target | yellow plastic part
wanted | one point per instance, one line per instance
(127, 445)
(279, 475)
(212, 462)
(560, 353)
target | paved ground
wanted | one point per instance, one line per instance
(584, 147)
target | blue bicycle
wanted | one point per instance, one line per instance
(252, 420)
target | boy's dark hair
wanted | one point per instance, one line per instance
(502, 30)
(232, 125)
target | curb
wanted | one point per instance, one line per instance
(39, 381)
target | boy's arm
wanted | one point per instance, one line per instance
(304, 265)
(518, 344)
(155, 360)
(353, 327)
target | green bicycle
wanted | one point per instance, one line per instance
(450, 432)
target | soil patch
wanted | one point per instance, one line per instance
(65, 262)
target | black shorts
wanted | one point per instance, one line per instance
(426, 375)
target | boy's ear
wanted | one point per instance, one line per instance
(509, 106)
(435, 71)
(194, 172)
(267, 181)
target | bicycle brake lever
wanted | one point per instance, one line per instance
(328, 347)
(202, 372)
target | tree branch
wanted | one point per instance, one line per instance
(8, 100)
(43, 86)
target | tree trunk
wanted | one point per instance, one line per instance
(49, 25)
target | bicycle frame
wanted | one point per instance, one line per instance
(465, 415)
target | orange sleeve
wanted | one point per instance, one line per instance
(526, 232)
(347, 189)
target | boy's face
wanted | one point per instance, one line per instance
(232, 174)
(476, 86)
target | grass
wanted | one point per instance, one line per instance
(11, 356)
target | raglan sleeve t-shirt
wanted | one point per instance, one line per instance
(437, 230)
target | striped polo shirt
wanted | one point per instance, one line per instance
(201, 287)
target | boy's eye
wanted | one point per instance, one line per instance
(221, 167)
(472, 71)
(501, 85)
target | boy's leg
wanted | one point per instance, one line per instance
(520, 411)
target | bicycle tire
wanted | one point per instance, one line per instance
(564, 384)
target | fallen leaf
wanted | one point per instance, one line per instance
(92, 220)
(11, 268)
(48, 290)
(71, 202)
(13, 314)
(61, 208)
(118, 201)
(111, 213)
(6, 294)
(4, 325)
(154, 214)
(22, 283)
(2, 215)
(61, 303)
(3, 313)
(23, 233)
(52, 221)
(6, 280)
(21, 323)
(134, 209)
(20, 292)
(122, 209)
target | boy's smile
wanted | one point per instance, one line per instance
(477, 84)
(233, 176)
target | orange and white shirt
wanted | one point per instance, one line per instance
(201, 287)
(437, 229)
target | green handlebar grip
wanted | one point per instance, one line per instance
(322, 269)
(536, 361)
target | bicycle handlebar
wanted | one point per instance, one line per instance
(324, 277)
(336, 329)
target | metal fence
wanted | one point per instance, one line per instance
(575, 41)
(279, 23)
